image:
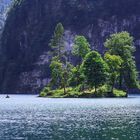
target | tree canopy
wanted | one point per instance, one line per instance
(94, 68)
(81, 46)
(122, 44)
(57, 42)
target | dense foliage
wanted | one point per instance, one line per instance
(114, 63)
(94, 69)
(95, 75)
(81, 46)
(122, 44)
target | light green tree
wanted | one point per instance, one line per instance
(121, 44)
(114, 63)
(77, 76)
(81, 47)
(60, 74)
(66, 74)
(56, 72)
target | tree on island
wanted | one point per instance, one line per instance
(60, 68)
(75, 78)
(66, 74)
(81, 47)
(94, 69)
(122, 44)
(60, 74)
(114, 63)
(57, 41)
(56, 72)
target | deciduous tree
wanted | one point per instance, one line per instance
(121, 44)
(94, 68)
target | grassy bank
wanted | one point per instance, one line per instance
(74, 93)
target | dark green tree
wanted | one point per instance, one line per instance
(94, 69)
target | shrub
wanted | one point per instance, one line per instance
(102, 91)
(46, 89)
(43, 94)
(79, 88)
(119, 93)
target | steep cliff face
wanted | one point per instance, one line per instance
(31, 23)
(4, 6)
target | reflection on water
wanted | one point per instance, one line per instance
(32, 118)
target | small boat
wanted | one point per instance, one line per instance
(7, 96)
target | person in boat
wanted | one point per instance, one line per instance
(7, 96)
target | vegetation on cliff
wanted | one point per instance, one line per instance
(95, 75)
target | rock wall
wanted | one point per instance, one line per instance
(30, 25)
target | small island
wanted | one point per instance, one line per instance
(110, 74)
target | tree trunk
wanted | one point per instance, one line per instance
(64, 84)
(113, 83)
(95, 89)
(59, 52)
(112, 88)
(64, 89)
(120, 80)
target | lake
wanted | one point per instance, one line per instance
(25, 117)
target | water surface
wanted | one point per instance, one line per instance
(31, 118)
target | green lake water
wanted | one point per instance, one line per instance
(25, 117)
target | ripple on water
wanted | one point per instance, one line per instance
(31, 118)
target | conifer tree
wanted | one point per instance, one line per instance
(57, 41)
